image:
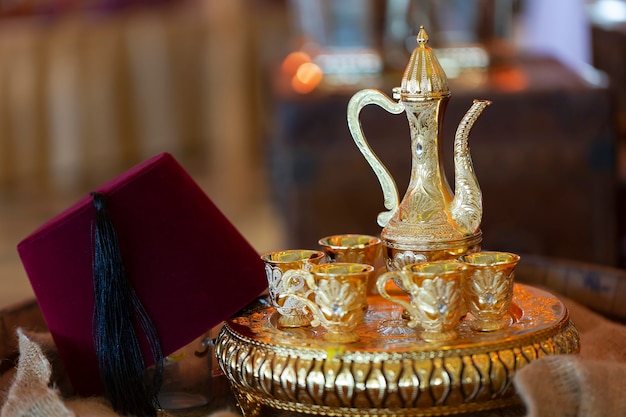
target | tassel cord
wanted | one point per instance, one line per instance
(116, 308)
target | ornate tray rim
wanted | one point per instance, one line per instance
(558, 338)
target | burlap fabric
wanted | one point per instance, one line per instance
(29, 394)
(588, 385)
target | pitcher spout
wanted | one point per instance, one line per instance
(466, 209)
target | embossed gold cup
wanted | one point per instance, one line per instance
(435, 297)
(488, 288)
(292, 312)
(336, 296)
(354, 248)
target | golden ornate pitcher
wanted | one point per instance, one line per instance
(430, 223)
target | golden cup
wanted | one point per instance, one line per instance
(354, 248)
(292, 312)
(488, 288)
(435, 297)
(336, 296)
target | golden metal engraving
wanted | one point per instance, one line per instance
(292, 313)
(357, 248)
(430, 221)
(335, 294)
(469, 328)
(390, 370)
(435, 296)
(352, 247)
(488, 288)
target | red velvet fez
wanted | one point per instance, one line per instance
(190, 267)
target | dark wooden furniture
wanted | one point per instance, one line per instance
(609, 55)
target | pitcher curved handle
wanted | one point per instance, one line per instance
(390, 190)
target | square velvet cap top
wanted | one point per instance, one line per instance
(189, 266)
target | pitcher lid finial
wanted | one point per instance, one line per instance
(423, 78)
(422, 37)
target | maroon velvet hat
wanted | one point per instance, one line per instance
(186, 263)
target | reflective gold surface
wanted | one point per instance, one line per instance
(435, 298)
(353, 247)
(488, 288)
(390, 370)
(292, 313)
(397, 257)
(335, 294)
(357, 248)
(430, 220)
(423, 76)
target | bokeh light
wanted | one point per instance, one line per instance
(307, 78)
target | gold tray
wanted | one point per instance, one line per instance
(390, 371)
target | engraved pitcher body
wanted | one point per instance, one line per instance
(431, 222)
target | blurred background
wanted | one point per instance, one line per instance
(250, 96)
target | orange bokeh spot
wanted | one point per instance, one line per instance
(293, 61)
(308, 76)
(510, 79)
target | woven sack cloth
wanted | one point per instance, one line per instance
(586, 385)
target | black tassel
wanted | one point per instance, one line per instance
(116, 309)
